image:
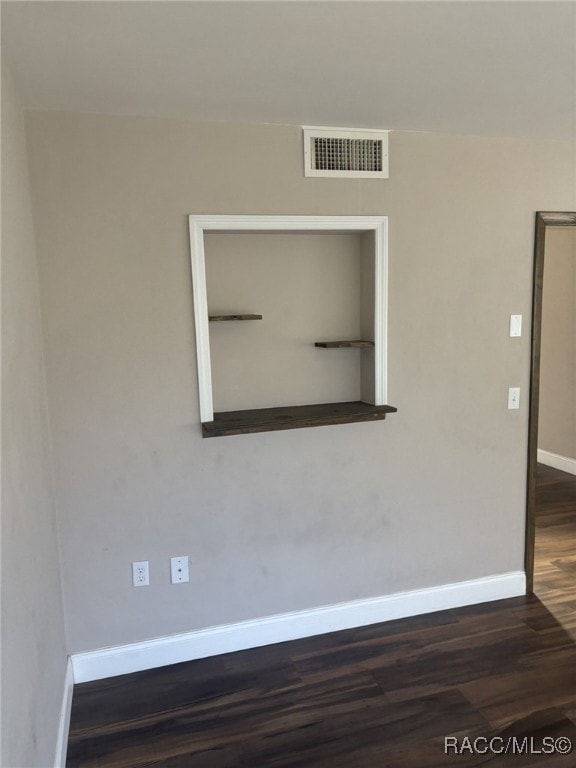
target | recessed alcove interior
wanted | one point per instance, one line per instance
(308, 288)
(288, 316)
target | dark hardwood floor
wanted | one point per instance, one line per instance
(383, 696)
(555, 550)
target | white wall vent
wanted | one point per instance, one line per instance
(344, 153)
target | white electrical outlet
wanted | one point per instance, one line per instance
(513, 398)
(140, 574)
(179, 569)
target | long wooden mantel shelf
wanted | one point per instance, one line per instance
(292, 417)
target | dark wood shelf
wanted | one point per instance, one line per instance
(342, 344)
(223, 318)
(292, 417)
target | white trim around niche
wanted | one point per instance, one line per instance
(203, 224)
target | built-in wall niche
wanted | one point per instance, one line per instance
(290, 316)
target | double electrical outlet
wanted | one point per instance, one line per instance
(178, 571)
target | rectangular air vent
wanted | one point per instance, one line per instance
(343, 153)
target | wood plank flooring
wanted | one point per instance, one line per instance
(383, 696)
(555, 550)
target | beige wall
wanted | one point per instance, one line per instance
(33, 646)
(307, 289)
(557, 418)
(280, 521)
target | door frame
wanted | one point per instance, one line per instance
(544, 220)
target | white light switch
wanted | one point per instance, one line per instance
(515, 325)
(513, 398)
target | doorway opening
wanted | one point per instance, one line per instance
(545, 484)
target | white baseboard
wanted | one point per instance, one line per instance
(558, 462)
(64, 723)
(172, 649)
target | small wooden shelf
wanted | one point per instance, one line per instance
(342, 344)
(222, 318)
(292, 417)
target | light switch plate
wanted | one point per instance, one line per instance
(515, 325)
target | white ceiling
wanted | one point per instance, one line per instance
(499, 68)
